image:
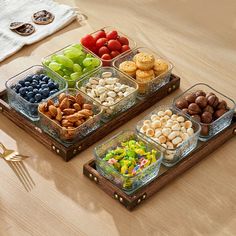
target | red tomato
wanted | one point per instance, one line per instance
(114, 45)
(101, 42)
(123, 40)
(88, 40)
(114, 54)
(94, 49)
(125, 48)
(106, 57)
(99, 34)
(103, 50)
(112, 35)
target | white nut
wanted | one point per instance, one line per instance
(175, 127)
(183, 129)
(156, 124)
(111, 94)
(93, 81)
(120, 94)
(170, 145)
(150, 132)
(166, 131)
(163, 120)
(188, 124)
(106, 74)
(162, 139)
(172, 135)
(190, 131)
(168, 112)
(180, 119)
(160, 113)
(166, 117)
(101, 90)
(147, 122)
(174, 117)
(169, 123)
(154, 117)
(176, 140)
(158, 133)
(126, 94)
(184, 136)
(145, 127)
(169, 157)
(101, 82)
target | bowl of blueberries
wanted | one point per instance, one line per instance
(29, 88)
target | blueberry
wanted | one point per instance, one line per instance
(31, 100)
(38, 97)
(22, 82)
(53, 91)
(45, 92)
(45, 79)
(35, 81)
(36, 77)
(43, 86)
(29, 78)
(51, 85)
(30, 94)
(35, 91)
(40, 91)
(38, 86)
(27, 83)
(56, 85)
(17, 87)
(33, 84)
(41, 76)
(22, 91)
(41, 83)
(30, 88)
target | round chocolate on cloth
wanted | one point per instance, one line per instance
(43, 17)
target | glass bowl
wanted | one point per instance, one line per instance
(66, 72)
(132, 44)
(211, 129)
(30, 110)
(132, 183)
(110, 111)
(149, 87)
(69, 135)
(171, 155)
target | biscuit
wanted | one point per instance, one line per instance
(43, 17)
(144, 61)
(128, 67)
(142, 78)
(160, 66)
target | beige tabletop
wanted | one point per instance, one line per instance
(199, 37)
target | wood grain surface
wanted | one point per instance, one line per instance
(199, 38)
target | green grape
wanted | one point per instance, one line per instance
(96, 62)
(79, 59)
(54, 66)
(89, 55)
(66, 77)
(72, 52)
(60, 72)
(64, 61)
(67, 72)
(75, 75)
(87, 69)
(47, 62)
(77, 68)
(78, 46)
(53, 57)
(87, 62)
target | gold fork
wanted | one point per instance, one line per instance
(11, 155)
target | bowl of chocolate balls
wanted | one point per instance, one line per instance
(211, 109)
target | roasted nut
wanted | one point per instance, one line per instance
(77, 106)
(206, 117)
(222, 105)
(71, 98)
(213, 100)
(204, 130)
(43, 107)
(53, 110)
(209, 94)
(64, 104)
(59, 114)
(69, 111)
(66, 123)
(181, 104)
(48, 114)
(75, 117)
(193, 109)
(86, 112)
(185, 110)
(61, 97)
(79, 99)
(196, 118)
(219, 113)
(78, 123)
(190, 98)
(201, 101)
(50, 102)
(209, 109)
(200, 93)
(87, 106)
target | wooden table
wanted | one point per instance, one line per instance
(199, 38)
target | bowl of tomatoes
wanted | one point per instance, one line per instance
(108, 43)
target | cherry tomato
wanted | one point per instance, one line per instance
(99, 34)
(103, 50)
(123, 40)
(112, 35)
(125, 48)
(101, 42)
(88, 40)
(106, 57)
(94, 49)
(114, 54)
(114, 45)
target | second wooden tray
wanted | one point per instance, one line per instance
(68, 151)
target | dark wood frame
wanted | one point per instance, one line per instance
(69, 152)
(131, 201)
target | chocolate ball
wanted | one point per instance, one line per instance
(213, 100)
(201, 101)
(200, 93)
(209, 94)
(185, 110)
(206, 117)
(204, 130)
(190, 98)
(181, 104)
(222, 105)
(193, 109)
(196, 118)
(219, 113)
(209, 109)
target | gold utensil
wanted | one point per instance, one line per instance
(10, 155)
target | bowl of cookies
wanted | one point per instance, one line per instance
(175, 134)
(147, 68)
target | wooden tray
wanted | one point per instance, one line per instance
(68, 151)
(165, 175)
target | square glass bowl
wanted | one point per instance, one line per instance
(211, 129)
(132, 44)
(70, 70)
(132, 183)
(153, 85)
(30, 110)
(70, 135)
(110, 111)
(171, 156)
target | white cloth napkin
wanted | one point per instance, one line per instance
(22, 10)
